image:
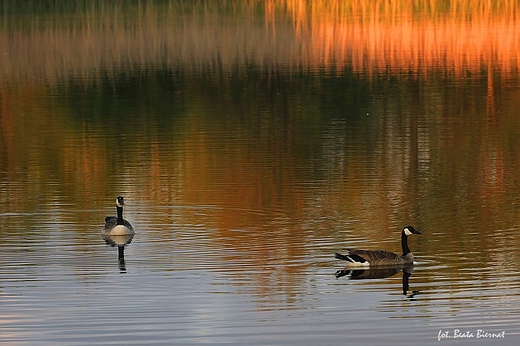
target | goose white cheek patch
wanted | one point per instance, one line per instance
(407, 231)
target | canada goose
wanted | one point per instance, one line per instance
(117, 225)
(381, 257)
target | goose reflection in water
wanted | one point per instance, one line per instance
(381, 273)
(120, 241)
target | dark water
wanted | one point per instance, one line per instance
(253, 140)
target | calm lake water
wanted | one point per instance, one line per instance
(252, 140)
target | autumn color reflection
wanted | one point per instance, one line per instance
(280, 125)
(456, 38)
(363, 36)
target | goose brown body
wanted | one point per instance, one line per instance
(364, 258)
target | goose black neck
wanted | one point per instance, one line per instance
(119, 215)
(404, 244)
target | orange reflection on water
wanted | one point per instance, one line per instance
(380, 39)
(254, 180)
(362, 36)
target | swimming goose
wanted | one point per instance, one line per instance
(117, 225)
(367, 258)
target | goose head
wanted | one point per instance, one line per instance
(409, 230)
(120, 202)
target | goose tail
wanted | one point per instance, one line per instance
(343, 257)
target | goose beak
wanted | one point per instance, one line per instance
(417, 231)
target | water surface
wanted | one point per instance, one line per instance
(251, 142)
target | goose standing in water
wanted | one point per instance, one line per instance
(116, 225)
(367, 258)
